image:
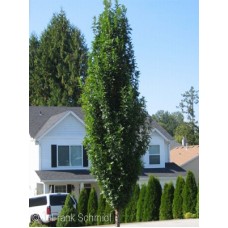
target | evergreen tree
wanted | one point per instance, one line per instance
(92, 208)
(178, 199)
(82, 204)
(152, 200)
(114, 113)
(197, 204)
(190, 194)
(131, 209)
(68, 215)
(109, 214)
(58, 62)
(101, 209)
(140, 203)
(167, 202)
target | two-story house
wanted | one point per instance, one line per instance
(58, 160)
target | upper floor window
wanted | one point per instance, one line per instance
(69, 155)
(154, 154)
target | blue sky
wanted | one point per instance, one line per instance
(164, 35)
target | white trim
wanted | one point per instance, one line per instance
(59, 121)
(155, 129)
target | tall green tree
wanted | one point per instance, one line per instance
(68, 215)
(83, 204)
(131, 209)
(57, 65)
(117, 124)
(152, 200)
(101, 209)
(169, 121)
(140, 203)
(187, 106)
(167, 202)
(92, 208)
(178, 198)
(190, 194)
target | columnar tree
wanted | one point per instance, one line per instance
(101, 209)
(117, 124)
(178, 198)
(152, 200)
(92, 208)
(68, 215)
(167, 202)
(190, 194)
(57, 65)
(140, 204)
(82, 205)
(131, 209)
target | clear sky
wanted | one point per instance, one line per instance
(165, 38)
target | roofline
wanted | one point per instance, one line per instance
(155, 129)
(54, 125)
(192, 159)
(69, 180)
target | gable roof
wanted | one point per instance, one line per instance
(42, 118)
(184, 154)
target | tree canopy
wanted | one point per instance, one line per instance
(117, 124)
(57, 64)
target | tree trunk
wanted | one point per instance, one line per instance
(117, 218)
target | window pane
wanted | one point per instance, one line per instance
(154, 149)
(58, 200)
(154, 159)
(76, 155)
(60, 188)
(63, 156)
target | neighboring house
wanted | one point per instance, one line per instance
(187, 157)
(59, 162)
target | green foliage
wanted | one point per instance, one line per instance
(140, 203)
(101, 209)
(110, 214)
(169, 121)
(92, 207)
(57, 64)
(178, 199)
(131, 209)
(167, 202)
(117, 124)
(190, 194)
(152, 200)
(37, 224)
(68, 215)
(82, 204)
(197, 204)
(190, 132)
(189, 215)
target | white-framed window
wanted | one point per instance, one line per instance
(60, 188)
(69, 155)
(154, 154)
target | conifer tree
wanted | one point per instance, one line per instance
(83, 204)
(167, 202)
(140, 203)
(101, 209)
(92, 208)
(178, 198)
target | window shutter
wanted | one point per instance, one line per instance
(69, 188)
(85, 158)
(53, 156)
(51, 188)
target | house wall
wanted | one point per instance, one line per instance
(157, 139)
(194, 167)
(69, 131)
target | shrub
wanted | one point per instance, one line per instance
(92, 208)
(68, 215)
(109, 214)
(197, 204)
(178, 198)
(189, 194)
(140, 204)
(152, 200)
(131, 209)
(189, 215)
(167, 202)
(36, 224)
(101, 209)
(82, 204)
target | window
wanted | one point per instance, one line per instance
(37, 201)
(154, 154)
(69, 155)
(60, 188)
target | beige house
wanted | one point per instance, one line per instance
(187, 157)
